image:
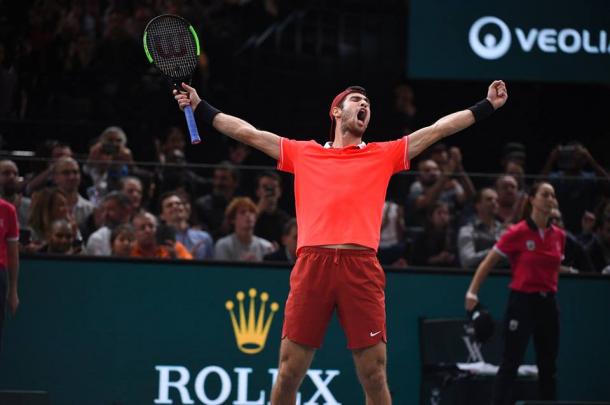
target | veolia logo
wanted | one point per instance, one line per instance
(544, 40)
(491, 47)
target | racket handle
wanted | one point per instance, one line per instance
(190, 122)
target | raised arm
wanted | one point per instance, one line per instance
(421, 139)
(236, 128)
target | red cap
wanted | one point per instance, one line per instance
(337, 101)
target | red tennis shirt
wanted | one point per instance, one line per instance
(340, 192)
(534, 259)
(9, 230)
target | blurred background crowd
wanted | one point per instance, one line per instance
(96, 161)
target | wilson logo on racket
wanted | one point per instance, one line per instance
(251, 330)
(168, 47)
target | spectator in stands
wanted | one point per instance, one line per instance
(403, 118)
(10, 190)
(118, 53)
(211, 207)
(173, 213)
(512, 168)
(122, 240)
(9, 79)
(238, 153)
(575, 257)
(48, 205)
(242, 244)
(41, 173)
(191, 216)
(93, 222)
(476, 238)
(448, 160)
(67, 178)
(117, 210)
(513, 162)
(577, 189)
(603, 210)
(288, 251)
(172, 141)
(436, 185)
(271, 218)
(587, 227)
(514, 151)
(109, 160)
(132, 187)
(509, 201)
(599, 249)
(391, 242)
(436, 246)
(79, 84)
(147, 245)
(60, 239)
(173, 172)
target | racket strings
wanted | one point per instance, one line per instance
(172, 47)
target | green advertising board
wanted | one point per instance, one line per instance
(544, 40)
(121, 332)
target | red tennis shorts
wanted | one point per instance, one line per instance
(350, 280)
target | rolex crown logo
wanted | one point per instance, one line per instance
(251, 331)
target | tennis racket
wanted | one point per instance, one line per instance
(171, 44)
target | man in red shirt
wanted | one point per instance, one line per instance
(9, 260)
(339, 195)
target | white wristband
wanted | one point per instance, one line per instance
(471, 295)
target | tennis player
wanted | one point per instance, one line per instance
(339, 194)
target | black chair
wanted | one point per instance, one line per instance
(446, 342)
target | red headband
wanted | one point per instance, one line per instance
(337, 101)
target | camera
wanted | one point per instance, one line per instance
(110, 148)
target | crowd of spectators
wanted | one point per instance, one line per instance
(61, 59)
(107, 204)
(103, 202)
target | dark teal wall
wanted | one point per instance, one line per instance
(93, 332)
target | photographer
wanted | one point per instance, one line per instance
(271, 218)
(109, 160)
(576, 188)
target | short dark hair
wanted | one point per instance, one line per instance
(229, 167)
(120, 197)
(119, 230)
(270, 174)
(165, 196)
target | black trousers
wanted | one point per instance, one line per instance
(529, 314)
